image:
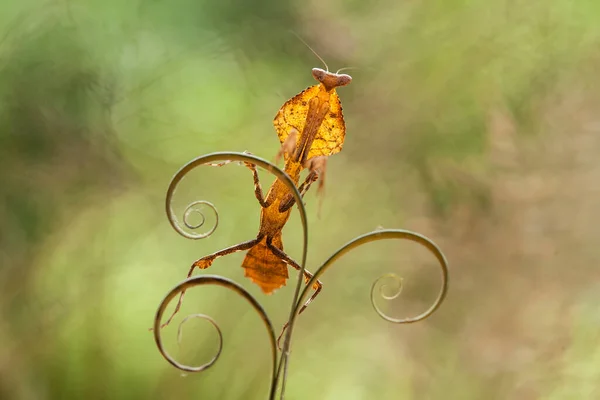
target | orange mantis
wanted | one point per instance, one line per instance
(310, 127)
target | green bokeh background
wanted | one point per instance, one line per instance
(473, 122)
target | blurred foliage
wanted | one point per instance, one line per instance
(473, 122)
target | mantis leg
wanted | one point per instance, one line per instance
(206, 262)
(290, 201)
(289, 145)
(307, 275)
(257, 187)
(316, 166)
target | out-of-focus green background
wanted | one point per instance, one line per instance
(475, 123)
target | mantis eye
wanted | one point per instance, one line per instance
(343, 80)
(319, 74)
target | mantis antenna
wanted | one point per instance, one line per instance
(311, 49)
(345, 69)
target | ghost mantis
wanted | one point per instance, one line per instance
(311, 128)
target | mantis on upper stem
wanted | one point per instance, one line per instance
(310, 127)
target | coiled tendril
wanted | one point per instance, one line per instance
(210, 280)
(191, 209)
(214, 324)
(383, 235)
(397, 290)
